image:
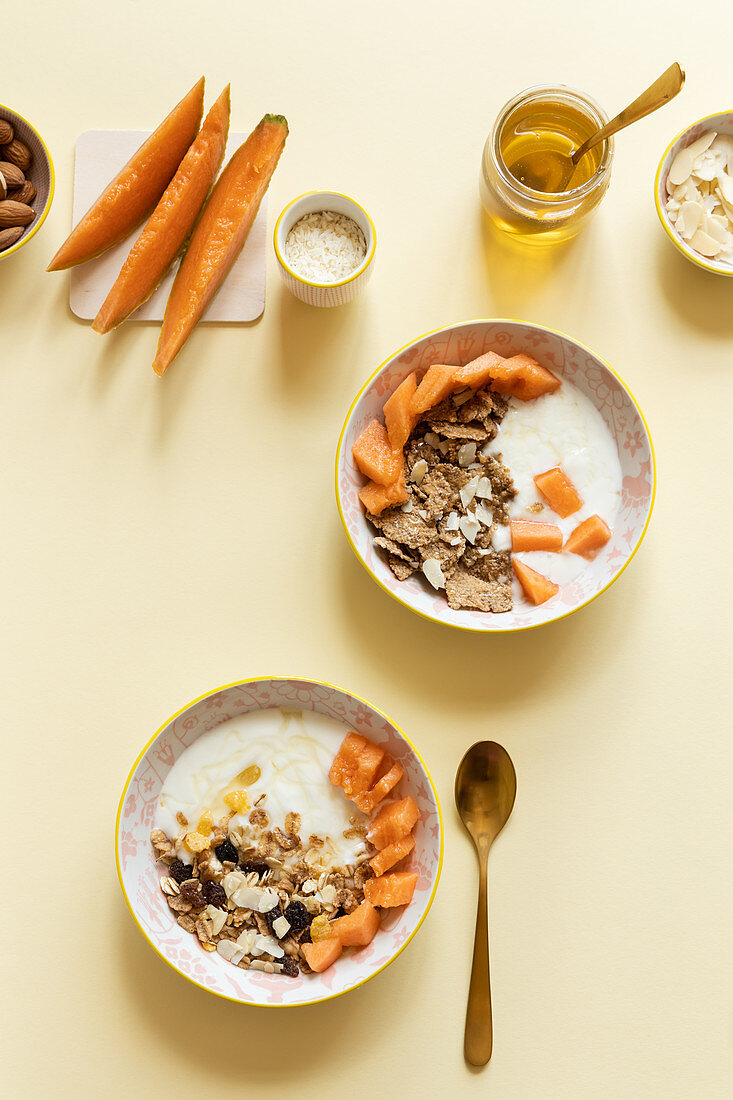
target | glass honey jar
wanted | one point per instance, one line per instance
(544, 118)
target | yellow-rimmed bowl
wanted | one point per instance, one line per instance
(722, 123)
(41, 174)
(460, 343)
(140, 875)
(345, 290)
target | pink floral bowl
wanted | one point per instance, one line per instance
(460, 343)
(140, 875)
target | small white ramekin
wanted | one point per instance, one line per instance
(325, 294)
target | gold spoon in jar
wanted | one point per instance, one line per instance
(486, 786)
(550, 171)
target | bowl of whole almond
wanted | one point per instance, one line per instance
(26, 181)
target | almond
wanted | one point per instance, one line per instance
(18, 153)
(6, 132)
(12, 173)
(3, 188)
(15, 213)
(8, 237)
(26, 193)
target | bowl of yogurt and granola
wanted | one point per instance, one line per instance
(279, 841)
(495, 475)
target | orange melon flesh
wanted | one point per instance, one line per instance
(136, 188)
(387, 891)
(392, 854)
(375, 457)
(559, 492)
(359, 928)
(220, 234)
(376, 498)
(588, 537)
(355, 764)
(323, 954)
(522, 377)
(436, 384)
(478, 372)
(535, 586)
(171, 222)
(398, 418)
(369, 800)
(393, 822)
(527, 535)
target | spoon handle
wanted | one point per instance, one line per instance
(659, 93)
(479, 1035)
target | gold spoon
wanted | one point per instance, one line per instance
(550, 171)
(486, 785)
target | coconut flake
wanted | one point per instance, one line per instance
(432, 570)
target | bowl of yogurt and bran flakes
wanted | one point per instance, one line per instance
(495, 475)
(279, 841)
(693, 193)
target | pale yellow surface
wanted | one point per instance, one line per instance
(164, 537)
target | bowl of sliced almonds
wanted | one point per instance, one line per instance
(26, 181)
(693, 192)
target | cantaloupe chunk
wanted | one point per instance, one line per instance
(369, 800)
(375, 457)
(521, 376)
(376, 498)
(478, 372)
(527, 535)
(393, 822)
(359, 928)
(323, 954)
(588, 537)
(398, 418)
(387, 891)
(355, 764)
(559, 491)
(392, 854)
(436, 384)
(535, 586)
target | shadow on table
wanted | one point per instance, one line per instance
(702, 299)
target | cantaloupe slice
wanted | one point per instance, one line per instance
(559, 491)
(535, 586)
(136, 188)
(369, 800)
(588, 537)
(355, 764)
(436, 384)
(398, 418)
(375, 457)
(220, 234)
(478, 372)
(393, 822)
(527, 535)
(522, 377)
(323, 954)
(359, 928)
(390, 890)
(376, 498)
(170, 224)
(392, 854)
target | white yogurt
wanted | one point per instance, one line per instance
(565, 429)
(294, 751)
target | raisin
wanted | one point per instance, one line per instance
(226, 852)
(253, 867)
(191, 892)
(297, 916)
(290, 967)
(179, 871)
(306, 937)
(215, 894)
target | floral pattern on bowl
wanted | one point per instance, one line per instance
(461, 343)
(140, 875)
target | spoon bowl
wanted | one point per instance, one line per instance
(485, 789)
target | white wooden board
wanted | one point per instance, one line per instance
(99, 156)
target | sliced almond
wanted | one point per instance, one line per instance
(706, 245)
(433, 572)
(681, 167)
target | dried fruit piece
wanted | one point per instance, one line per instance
(195, 842)
(237, 801)
(191, 892)
(206, 823)
(254, 867)
(226, 852)
(249, 776)
(180, 871)
(289, 967)
(321, 929)
(297, 916)
(215, 894)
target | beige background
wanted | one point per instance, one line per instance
(164, 537)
